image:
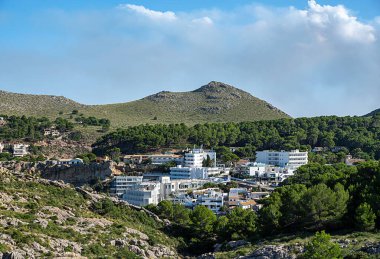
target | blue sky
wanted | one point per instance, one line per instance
(306, 57)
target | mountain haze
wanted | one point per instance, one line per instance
(214, 102)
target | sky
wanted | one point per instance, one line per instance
(306, 57)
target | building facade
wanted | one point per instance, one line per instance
(293, 158)
(121, 183)
(20, 150)
(143, 194)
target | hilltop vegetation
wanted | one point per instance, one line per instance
(359, 135)
(214, 102)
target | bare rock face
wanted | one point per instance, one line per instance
(13, 255)
(275, 252)
(79, 174)
(371, 248)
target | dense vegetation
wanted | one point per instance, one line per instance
(318, 197)
(359, 135)
(30, 128)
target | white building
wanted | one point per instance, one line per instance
(211, 198)
(20, 150)
(193, 166)
(52, 132)
(161, 159)
(1, 147)
(74, 161)
(293, 158)
(180, 172)
(155, 159)
(195, 157)
(252, 169)
(143, 194)
(121, 183)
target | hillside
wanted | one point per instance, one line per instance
(45, 219)
(48, 219)
(214, 102)
(35, 105)
(373, 113)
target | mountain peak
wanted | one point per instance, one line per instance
(217, 87)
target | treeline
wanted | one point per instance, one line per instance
(15, 127)
(319, 197)
(92, 121)
(360, 135)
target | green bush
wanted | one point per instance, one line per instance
(321, 247)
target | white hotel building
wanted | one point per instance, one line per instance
(193, 166)
(143, 194)
(293, 158)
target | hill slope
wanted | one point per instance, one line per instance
(35, 105)
(214, 102)
(45, 219)
(373, 113)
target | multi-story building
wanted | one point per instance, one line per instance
(20, 150)
(155, 159)
(252, 169)
(143, 194)
(175, 187)
(195, 157)
(180, 172)
(211, 198)
(121, 183)
(293, 158)
(193, 166)
(161, 159)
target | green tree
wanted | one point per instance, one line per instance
(207, 162)
(242, 224)
(115, 154)
(365, 217)
(165, 209)
(181, 215)
(321, 247)
(202, 221)
(270, 214)
(322, 205)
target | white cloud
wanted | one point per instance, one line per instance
(337, 20)
(204, 20)
(169, 16)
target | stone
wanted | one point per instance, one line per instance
(275, 252)
(12, 255)
(235, 244)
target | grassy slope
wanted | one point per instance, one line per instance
(215, 102)
(35, 105)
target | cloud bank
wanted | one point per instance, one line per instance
(317, 61)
